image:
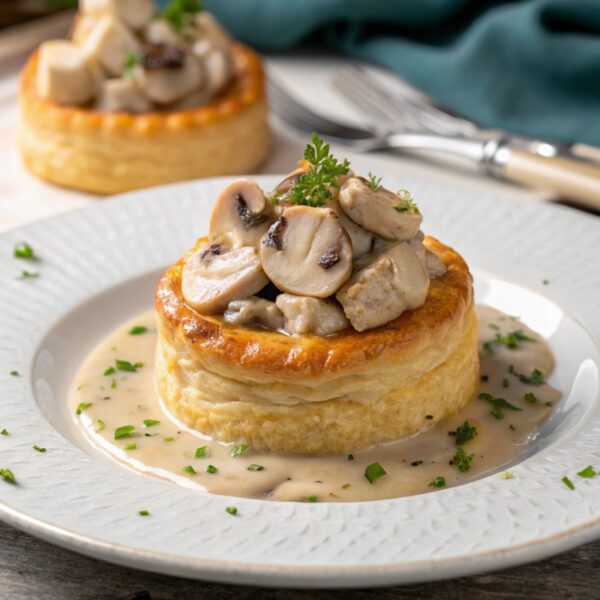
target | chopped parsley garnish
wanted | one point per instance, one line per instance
(24, 250)
(15, 374)
(4, 432)
(82, 406)
(180, 13)
(429, 417)
(498, 405)
(189, 469)
(313, 188)
(132, 61)
(438, 482)
(144, 513)
(506, 475)
(373, 181)
(374, 471)
(100, 426)
(211, 469)
(28, 274)
(113, 384)
(125, 431)
(530, 397)
(125, 365)
(535, 378)
(38, 448)
(151, 422)
(462, 460)
(201, 452)
(232, 510)
(545, 281)
(109, 371)
(8, 476)
(588, 472)
(350, 456)
(138, 330)
(568, 482)
(312, 498)
(463, 433)
(254, 467)
(416, 463)
(406, 203)
(511, 340)
(505, 383)
(168, 439)
(493, 326)
(132, 446)
(237, 450)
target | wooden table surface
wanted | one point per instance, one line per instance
(30, 568)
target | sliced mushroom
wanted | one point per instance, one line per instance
(375, 210)
(254, 311)
(311, 315)
(284, 186)
(217, 63)
(109, 43)
(168, 74)
(432, 262)
(242, 214)
(159, 32)
(122, 95)
(134, 13)
(214, 276)
(307, 252)
(393, 281)
(362, 240)
(64, 75)
(206, 26)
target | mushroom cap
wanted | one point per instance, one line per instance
(241, 215)
(307, 252)
(214, 276)
(374, 210)
(362, 240)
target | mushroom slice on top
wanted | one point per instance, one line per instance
(380, 211)
(307, 252)
(311, 315)
(242, 214)
(393, 281)
(213, 276)
(362, 240)
(254, 311)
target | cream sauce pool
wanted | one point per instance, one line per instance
(111, 403)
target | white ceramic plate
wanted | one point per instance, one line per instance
(98, 269)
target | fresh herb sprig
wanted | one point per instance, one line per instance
(313, 188)
(406, 202)
(498, 405)
(463, 433)
(180, 13)
(536, 377)
(462, 460)
(373, 181)
(512, 340)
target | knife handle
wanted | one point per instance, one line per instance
(574, 180)
(586, 152)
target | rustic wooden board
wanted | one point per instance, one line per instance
(30, 568)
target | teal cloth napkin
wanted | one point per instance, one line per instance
(529, 66)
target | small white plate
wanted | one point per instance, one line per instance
(97, 269)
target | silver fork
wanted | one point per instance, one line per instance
(494, 154)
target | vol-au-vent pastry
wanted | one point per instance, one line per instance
(316, 318)
(140, 97)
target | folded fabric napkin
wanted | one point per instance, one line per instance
(529, 66)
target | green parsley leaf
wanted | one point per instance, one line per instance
(4, 432)
(438, 482)
(15, 374)
(237, 450)
(28, 274)
(8, 476)
(168, 439)
(113, 384)
(505, 383)
(374, 471)
(530, 397)
(462, 460)
(125, 431)
(588, 472)
(100, 426)
(232, 510)
(202, 452)
(416, 463)
(312, 499)
(144, 513)
(535, 378)
(406, 203)
(313, 188)
(109, 371)
(132, 61)
(373, 181)
(211, 469)
(38, 448)
(568, 482)
(189, 469)
(498, 404)
(82, 406)
(463, 433)
(24, 250)
(511, 340)
(125, 365)
(132, 446)
(151, 422)
(254, 467)
(180, 13)
(138, 330)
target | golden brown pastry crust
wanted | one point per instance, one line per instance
(115, 152)
(314, 394)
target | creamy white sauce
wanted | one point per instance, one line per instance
(167, 448)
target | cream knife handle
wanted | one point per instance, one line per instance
(570, 179)
(586, 152)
